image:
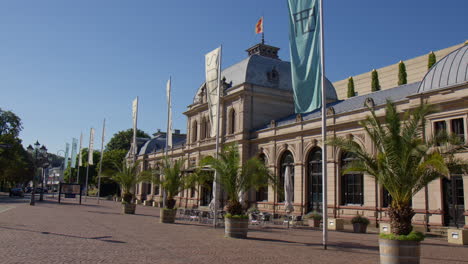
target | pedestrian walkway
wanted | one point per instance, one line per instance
(92, 233)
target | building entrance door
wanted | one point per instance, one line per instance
(206, 194)
(454, 201)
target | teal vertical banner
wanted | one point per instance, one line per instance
(73, 152)
(304, 41)
(67, 150)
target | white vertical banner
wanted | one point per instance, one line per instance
(91, 147)
(169, 114)
(212, 73)
(135, 120)
(80, 158)
(73, 152)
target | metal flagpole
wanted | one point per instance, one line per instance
(100, 161)
(324, 134)
(167, 142)
(90, 158)
(79, 160)
(217, 138)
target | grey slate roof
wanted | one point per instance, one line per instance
(158, 143)
(254, 70)
(354, 103)
(450, 70)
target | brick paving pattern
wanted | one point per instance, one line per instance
(91, 233)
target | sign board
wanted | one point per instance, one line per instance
(70, 190)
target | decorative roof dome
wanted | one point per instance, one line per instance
(449, 71)
(262, 71)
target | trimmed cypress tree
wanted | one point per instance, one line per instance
(402, 73)
(351, 91)
(431, 60)
(375, 81)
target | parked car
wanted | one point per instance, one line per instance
(28, 189)
(16, 192)
(41, 190)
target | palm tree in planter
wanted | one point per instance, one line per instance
(127, 176)
(404, 164)
(237, 179)
(170, 177)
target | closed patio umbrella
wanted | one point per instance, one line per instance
(288, 190)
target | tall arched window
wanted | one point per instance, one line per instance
(262, 193)
(204, 128)
(352, 184)
(314, 180)
(194, 130)
(208, 128)
(287, 160)
(232, 121)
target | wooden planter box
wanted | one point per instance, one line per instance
(167, 216)
(396, 251)
(236, 228)
(128, 208)
(457, 236)
(313, 223)
(335, 224)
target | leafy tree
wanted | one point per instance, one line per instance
(402, 73)
(237, 178)
(375, 81)
(10, 123)
(431, 60)
(123, 139)
(15, 163)
(110, 158)
(70, 173)
(351, 91)
(404, 163)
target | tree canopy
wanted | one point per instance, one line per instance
(123, 139)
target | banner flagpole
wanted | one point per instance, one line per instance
(217, 138)
(79, 160)
(100, 161)
(324, 134)
(168, 129)
(90, 159)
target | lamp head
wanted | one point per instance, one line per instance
(37, 144)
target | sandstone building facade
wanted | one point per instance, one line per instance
(257, 112)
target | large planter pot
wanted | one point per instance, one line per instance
(236, 228)
(167, 216)
(397, 251)
(313, 223)
(128, 208)
(359, 228)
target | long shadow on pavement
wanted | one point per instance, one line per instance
(65, 235)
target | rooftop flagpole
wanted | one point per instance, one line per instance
(324, 134)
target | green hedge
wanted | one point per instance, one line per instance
(413, 236)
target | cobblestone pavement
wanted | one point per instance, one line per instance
(91, 233)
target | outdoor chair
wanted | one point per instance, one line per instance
(187, 214)
(297, 220)
(254, 219)
(195, 215)
(265, 218)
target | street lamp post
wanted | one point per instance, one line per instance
(39, 156)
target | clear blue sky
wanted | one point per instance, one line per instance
(66, 65)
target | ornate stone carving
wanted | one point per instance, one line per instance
(330, 111)
(369, 102)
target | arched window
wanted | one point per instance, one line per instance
(352, 185)
(203, 130)
(194, 130)
(314, 180)
(287, 160)
(232, 121)
(262, 193)
(207, 128)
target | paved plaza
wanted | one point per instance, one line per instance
(70, 233)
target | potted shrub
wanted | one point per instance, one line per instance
(127, 177)
(403, 163)
(169, 176)
(313, 219)
(237, 178)
(360, 224)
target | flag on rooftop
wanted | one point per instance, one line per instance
(259, 26)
